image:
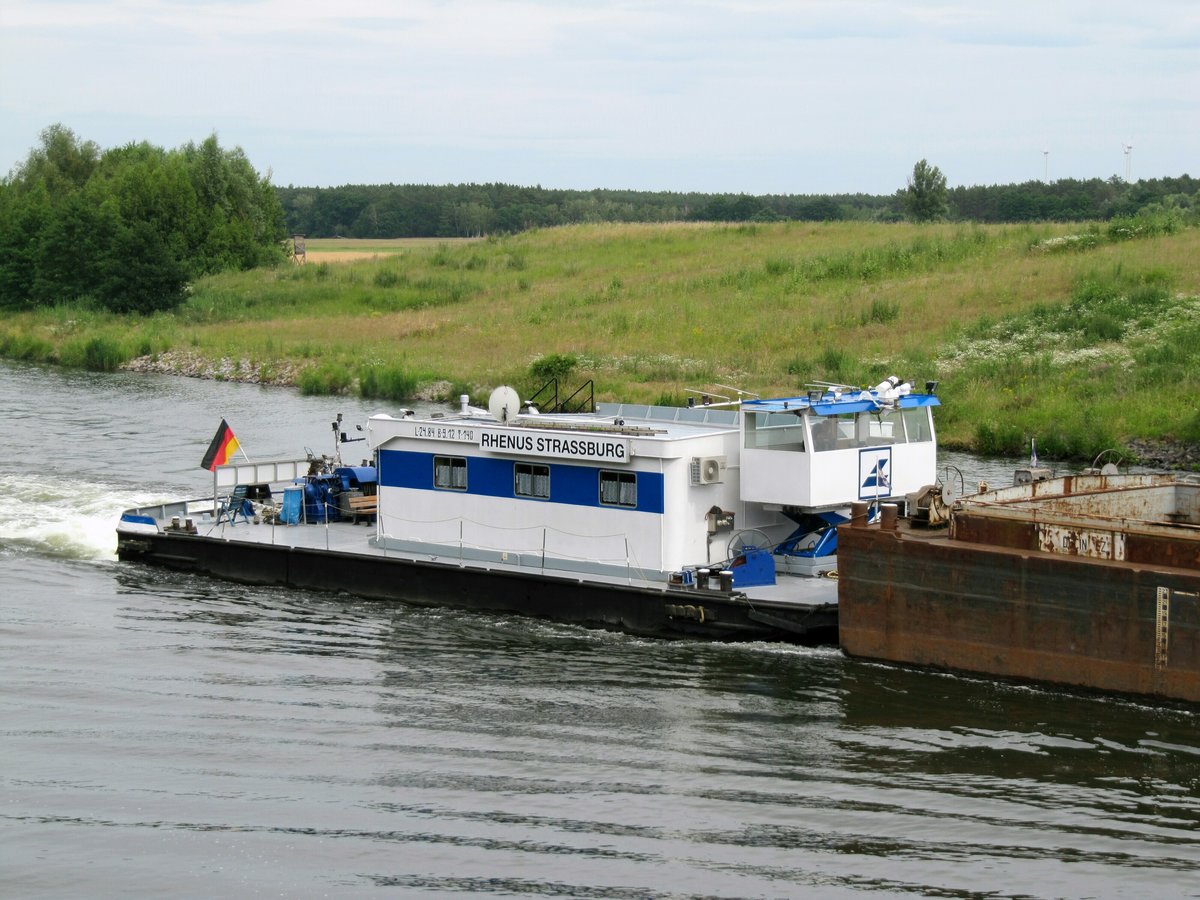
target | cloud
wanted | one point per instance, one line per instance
(750, 95)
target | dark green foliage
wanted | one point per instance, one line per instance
(881, 312)
(462, 210)
(924, 199)
(102, 355)
(553, 365)
(129, 228)
(776, 267)
(458, 388)
(1190, 432)
(387, 278)
(325, 379)
(25, 347)
(1103, 306)
(1000, 439)
(140, 274)
(387, 383)
(800, 366)
(837, 363)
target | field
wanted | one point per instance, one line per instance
(349, 249)
(1059, 332)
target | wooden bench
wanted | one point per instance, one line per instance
(363, 506)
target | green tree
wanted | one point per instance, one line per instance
(62, 164)
(129, 228)
(925, 197)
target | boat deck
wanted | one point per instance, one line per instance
(363, 541)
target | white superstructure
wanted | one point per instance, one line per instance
(646, 489)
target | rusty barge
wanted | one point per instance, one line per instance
(1088, 580)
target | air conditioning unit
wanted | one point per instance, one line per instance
(708, 469)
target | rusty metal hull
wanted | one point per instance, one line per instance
(987, 597)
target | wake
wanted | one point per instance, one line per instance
(65, 517)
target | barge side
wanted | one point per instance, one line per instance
(1088, 581)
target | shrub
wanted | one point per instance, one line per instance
(388, 278)
(837, 363)
(329, 378)
(881, 312)
(387, 383)
(776, 267)
(800, 366)
(553, 365)
(103, 355)
(999, 439)
(25, 347)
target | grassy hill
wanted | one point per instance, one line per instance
(1076, 336)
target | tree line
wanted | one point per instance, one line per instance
(129, 228)
(467, 210)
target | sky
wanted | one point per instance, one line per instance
(716, 96)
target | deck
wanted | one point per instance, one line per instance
(365, 541)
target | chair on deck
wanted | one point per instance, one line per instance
(235, 505)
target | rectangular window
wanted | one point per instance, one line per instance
(916, 425)
(531, 480)
(618, 489)
(774, 431)
(450, 473)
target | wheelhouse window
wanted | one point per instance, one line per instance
(774, 431)
(618, 489)
(832, 432)
(530, 480)
(450, 473)
(918, 424)
(864, 429)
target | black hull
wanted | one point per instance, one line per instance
(646, 611)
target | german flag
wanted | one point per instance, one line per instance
(222, 448)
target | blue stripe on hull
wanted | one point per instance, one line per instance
(493, 477)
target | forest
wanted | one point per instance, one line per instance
(470, 210)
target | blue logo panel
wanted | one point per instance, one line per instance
(874, 473)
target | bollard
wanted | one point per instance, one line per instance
(858, 514)
(888, 514)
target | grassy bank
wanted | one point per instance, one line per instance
(1072, 335)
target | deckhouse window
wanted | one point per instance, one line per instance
(450, 473)
(917, 424)
(530, 480)
(864, 429)
(774, 431)
(618, 489)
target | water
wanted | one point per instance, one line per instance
(163, 734)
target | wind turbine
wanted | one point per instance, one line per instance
(1128, 148)
(1046, 159)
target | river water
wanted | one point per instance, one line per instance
(169, 735)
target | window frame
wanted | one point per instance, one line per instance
(453, 466)
(622, 478)
(533, 470)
